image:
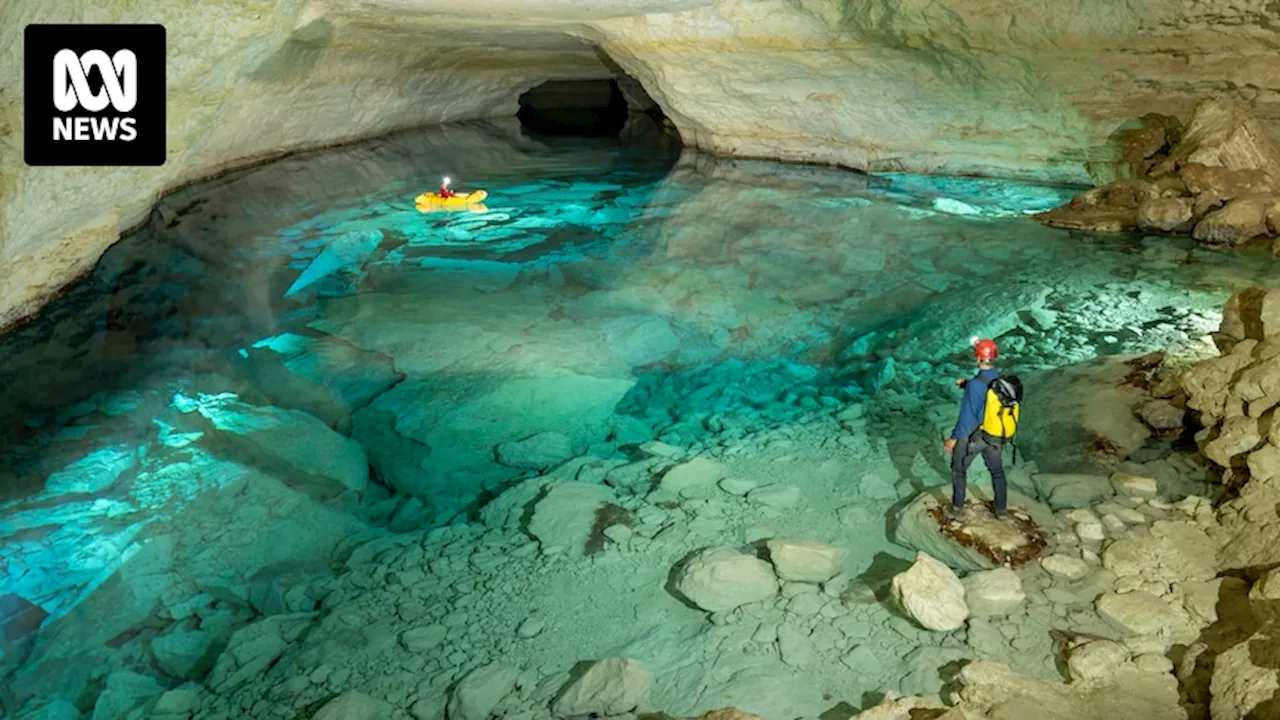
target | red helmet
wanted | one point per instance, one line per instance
(985, 349)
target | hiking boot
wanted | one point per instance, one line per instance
(955, 513)
(1001, 513)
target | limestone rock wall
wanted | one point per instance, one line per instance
(1013, 88)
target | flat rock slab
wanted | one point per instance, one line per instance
(980, 541)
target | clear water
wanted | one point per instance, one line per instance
(178, 422)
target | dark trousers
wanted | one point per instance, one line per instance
(962, 457)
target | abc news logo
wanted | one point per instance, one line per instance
(94, 95)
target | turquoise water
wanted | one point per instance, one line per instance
(290, 360)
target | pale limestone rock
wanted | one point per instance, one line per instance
(803, 561)
(1239, 221)
(1164, 214)
(1134, 485)
(721, 579)
(1090, 532)
(1165, 552)
(736, 486)
(1243, 679)
(697, 473)
(1154, 663)
(536, 452)
(1136, 613)
(354, 705)
(1264, 463)
(1267, 587)
(993, 592)
(1096, 660)
(991, 689)
(480, 691)
(794, 645)
(303, 452)
(1236, 437)
(932, 594)
(779, 496)
(613, 686)
(563, 519)
(1065, 566)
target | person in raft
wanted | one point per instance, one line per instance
(445, 192)
(989, 415)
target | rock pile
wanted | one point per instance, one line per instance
(1218, 180)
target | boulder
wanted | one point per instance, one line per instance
(541, 451)
(292, 445)
(931, 594)
(1231, 444)
(1096, 660)
(1108, 208)
(565, 517)
(993, 592)
(1163, 417)
(354, 705)
(479, 691)
(614, 686)
(1134, 485)
(1164, 214)
(721, 579)
(1240, 221)
(1064, 566)
(1244, 677)
(1252, 313)
(1136, 613)
(803, 561)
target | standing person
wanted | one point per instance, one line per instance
(988, 417)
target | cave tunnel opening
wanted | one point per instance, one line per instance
(615, 107)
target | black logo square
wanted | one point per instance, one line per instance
(94, 95)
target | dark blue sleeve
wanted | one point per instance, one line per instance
(971, 407)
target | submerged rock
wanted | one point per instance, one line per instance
(721, 579)
(614, 686)
(325, 376)
(803, 561)
(566, 516)
(931, 594)
(480, 691)
(292, 445)
(536, 452)
(354, 705)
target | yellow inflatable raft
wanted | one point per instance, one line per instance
(432, 202)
